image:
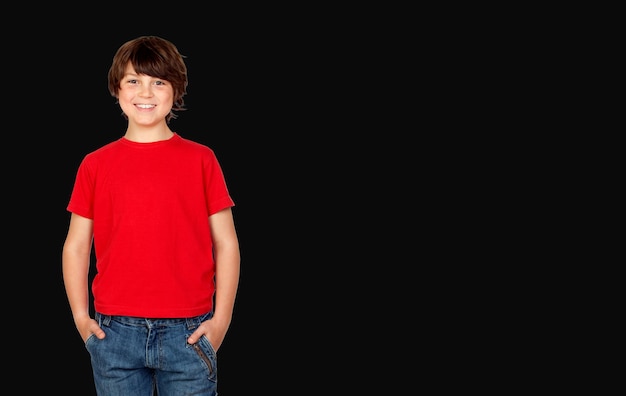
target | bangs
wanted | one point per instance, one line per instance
(150, 61)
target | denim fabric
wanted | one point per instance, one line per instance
(140, 355)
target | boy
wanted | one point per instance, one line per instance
(158, 212)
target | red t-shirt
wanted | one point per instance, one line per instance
(150, 204)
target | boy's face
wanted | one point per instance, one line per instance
(144, 99)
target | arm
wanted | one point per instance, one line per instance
(227, 263)
(75, 260)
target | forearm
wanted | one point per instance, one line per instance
(76, 278)
(226, 283)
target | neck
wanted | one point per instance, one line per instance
(148, 135)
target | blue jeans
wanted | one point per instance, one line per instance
(139, 356)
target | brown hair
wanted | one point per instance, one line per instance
(152, 56)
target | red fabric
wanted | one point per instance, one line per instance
(150, 204)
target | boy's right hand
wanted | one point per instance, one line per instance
(88, 326)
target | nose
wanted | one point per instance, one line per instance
(145, 90)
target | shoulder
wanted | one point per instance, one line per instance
(194, 146)
(105, 150)
(101, 156)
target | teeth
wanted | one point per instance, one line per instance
(145, 106)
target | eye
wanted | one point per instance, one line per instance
(158, 82)
(132, 81)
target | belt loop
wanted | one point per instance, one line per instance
(103, 319)
(192, 323)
